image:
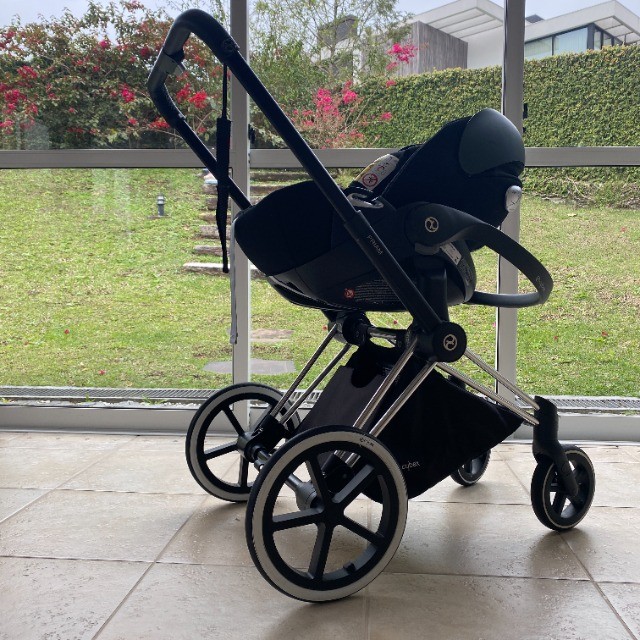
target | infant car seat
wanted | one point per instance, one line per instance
(298, 241)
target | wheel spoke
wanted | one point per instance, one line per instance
(222, 450)
(233, 420)
(243, 474)
(317, 478)
(559, 501)
(355, 486)
(370, 536)
(320, 552)
(295, 519)
(581, 476)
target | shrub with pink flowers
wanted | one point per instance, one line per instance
(72, 82)
(342, 117)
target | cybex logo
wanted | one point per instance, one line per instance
(431, 224)
(410, 465)
(450, 342)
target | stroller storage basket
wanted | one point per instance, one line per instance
(437, 430)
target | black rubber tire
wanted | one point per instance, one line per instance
(472, 470)
(319, 578)
(550, 504)
(198, 456)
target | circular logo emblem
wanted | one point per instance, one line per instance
(431, 224)
(450, 342)
(370, 180)
(349, 294)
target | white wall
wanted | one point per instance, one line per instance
(485, 49)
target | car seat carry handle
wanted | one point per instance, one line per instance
(434, 225)
(213, 34)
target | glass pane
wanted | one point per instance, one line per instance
(597, 39)
(580, 342)
(570, 42)
(93, 285)
(538, 49)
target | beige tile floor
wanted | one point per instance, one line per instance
(109, 537)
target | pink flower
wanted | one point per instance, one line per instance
(402, 53)
(13, 95)
(349, 96)
(386, 116)
(183, 94)
(27, 72)
(390, 83)
(104, 44)
(127, 94)
(6, 124)
(133, 122)
(199, 99)
(160, 123)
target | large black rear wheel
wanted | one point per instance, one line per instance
(308, 532)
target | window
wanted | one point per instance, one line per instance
(570, 42)
(575, 41)
(538, 48)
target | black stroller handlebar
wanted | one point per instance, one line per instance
(214, 35)
(435, 225)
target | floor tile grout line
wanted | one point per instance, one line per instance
(28, 504)
(597, 587)
(152, 564)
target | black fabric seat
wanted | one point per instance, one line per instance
(294, 236)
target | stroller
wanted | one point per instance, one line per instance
(327, 508)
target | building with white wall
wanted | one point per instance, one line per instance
(469, 34)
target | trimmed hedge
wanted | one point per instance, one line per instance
(586, 99)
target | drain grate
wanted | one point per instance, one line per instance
(570, 404)
(103, 394)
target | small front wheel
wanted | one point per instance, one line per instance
(472, 470)
(552, 506)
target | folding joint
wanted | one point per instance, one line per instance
(170, 65)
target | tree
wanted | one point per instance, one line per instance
(312, 53)
(72, 82)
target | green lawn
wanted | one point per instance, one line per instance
(92, 292)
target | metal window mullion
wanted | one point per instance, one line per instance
(241, 367)
(512, 105)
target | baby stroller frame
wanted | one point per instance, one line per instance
(328, 467)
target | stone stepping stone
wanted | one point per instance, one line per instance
(270, 336)
(215, 269)
(207, 249)
(211, 231)
(258, 366)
